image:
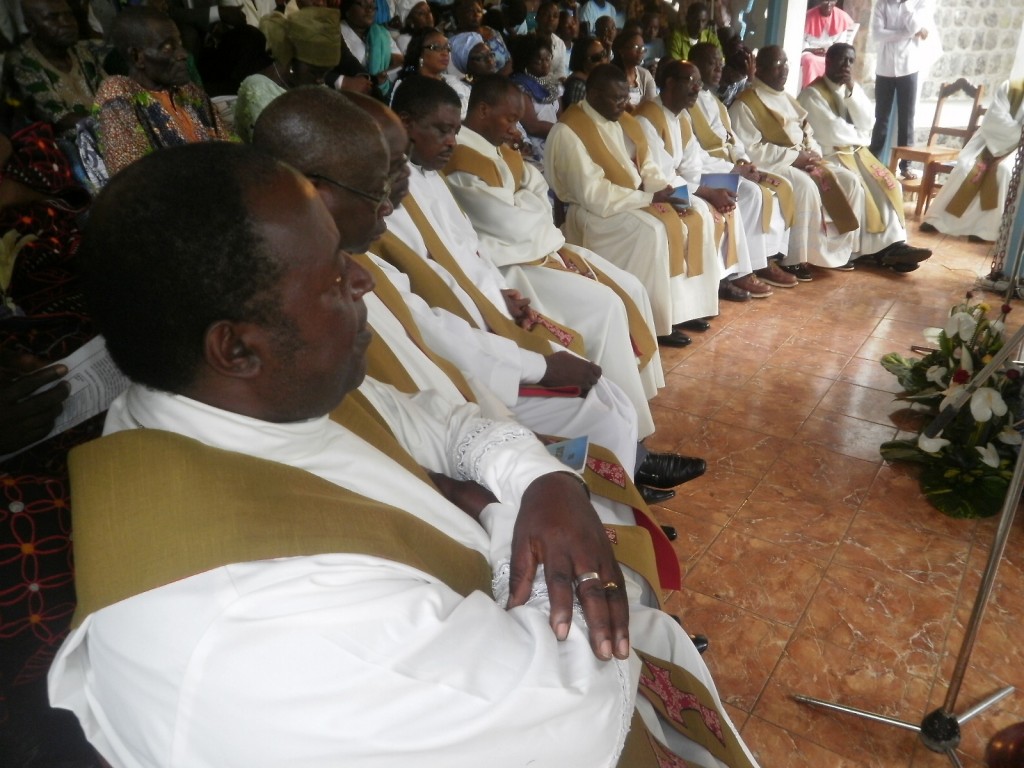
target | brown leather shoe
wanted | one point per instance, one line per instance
(756, 288)
(727, 291)
(775, 275)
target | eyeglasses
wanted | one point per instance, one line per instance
(379, 201)
(438, 47)
(635, 47)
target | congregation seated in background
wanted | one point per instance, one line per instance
(155, 105)
(53, 74)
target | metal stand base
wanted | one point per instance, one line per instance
(939, 731)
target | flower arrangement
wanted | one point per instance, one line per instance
(966, 469)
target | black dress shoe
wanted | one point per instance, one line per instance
(929, 228)
(729, 292)
(670, 532)
(698, 325)
(675, 339)
(700, 642)
(667, 470)
(654, 495)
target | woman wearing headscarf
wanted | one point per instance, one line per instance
(305, 46)
(472, 58)
(414, 15)
(368, 49)
(469, 16)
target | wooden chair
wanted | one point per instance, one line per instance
(929, 179)
(933, 152)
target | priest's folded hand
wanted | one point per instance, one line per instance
(558, 528)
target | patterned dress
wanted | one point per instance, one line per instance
(134, 121)
(48, 93)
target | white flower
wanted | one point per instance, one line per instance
(960, 324)
(997, 326)
(950, 396)
(936, 374)
(931, 444)
(985, 403)
(966, 360)
(1009, 436)
(931, 336)
(989, 455)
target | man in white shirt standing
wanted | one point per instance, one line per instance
(899, 28)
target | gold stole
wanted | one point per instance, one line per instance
(468, 160)
(684, 231)
(771, 125)
(727, 223)
(535, 339)
(153, 507)
(772, 186)
(982, 179)
(879, 175)
(381, 361)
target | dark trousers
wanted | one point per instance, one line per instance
(904, 90)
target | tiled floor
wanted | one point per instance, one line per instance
(814, 567)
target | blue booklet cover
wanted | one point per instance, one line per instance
(681, 196)
(730, 181)
(572, 453)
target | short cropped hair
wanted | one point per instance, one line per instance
(131, 27)
(491, 90)
(419, 96)
(170, 249)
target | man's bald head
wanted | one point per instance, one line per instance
(396, 138)
(608, 91)
(319, 131)
(338, 146)
(680, 84)
(772, 66)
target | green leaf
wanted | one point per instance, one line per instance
(967, 494)
(904, 450)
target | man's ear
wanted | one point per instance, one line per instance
(235, 349)
(136, 58)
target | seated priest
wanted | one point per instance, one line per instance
(620, 204)
(972, 200)
(337, 609)
(841, 117)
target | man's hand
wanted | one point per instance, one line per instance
(747, 171)
(805, 161)
(722, 200)
(519, 307)
(467, 495)
(356, 84)
(922, 33)
(558, 528)
(568, 370)
(663, 196)
(25, 416)
(750, 60)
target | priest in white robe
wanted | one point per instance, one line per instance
(628, 222)
(330, 608)
(783, 198)
(507, 202)
(431, 213)
(972, 200)
(842, 118)
(773, 128)
(666, 124)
